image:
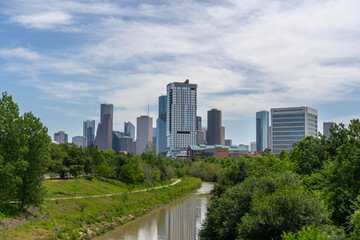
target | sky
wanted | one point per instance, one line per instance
(61, 59)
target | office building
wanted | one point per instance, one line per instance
(181, 118)
(228, 142)
(61, 137)
(222, 136)
(262, 130)
(104, 134)
(290, 125)
(129, 130)
(252, 146)
(161, 127)
(144, 133)
(89, 131)
(80, 141)
(126, 144)
(214, 131)
(198, 123)
(116, 136)
(154, 139)
(269, 138)
(326, 128)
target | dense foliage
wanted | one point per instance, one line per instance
(310, 193)
(24, 155)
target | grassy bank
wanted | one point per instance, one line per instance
(88, 217)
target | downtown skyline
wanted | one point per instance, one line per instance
(61, 60)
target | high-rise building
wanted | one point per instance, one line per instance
(161, 126)
(104, 135)
(228, 142)
(89, 131)
(252, 146)
(126, 144)
(61, 137)
(262, 130)
(116, 136)
(181, 117)
(290, 125)
(80, 141)
(129, 130)
(326, 128)
(154, 138)
(269, 138)
(144, 134)
(222, 136)
(214, 132)
(198, 123)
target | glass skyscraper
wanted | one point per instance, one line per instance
(161, 126)
(89, 131)
(181, 118)
(262, 130)
(129, 130)
(103, 137)
(290, 125)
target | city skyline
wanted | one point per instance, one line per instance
(62, 59)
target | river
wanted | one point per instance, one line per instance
(179, 220)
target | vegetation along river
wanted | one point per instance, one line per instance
(179, 220)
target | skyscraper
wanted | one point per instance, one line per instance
(80, 141)
(116, 136)
(198, 123)
(161, 126)
(144, 133)
(290, 125)
(103, 137)
(262, 130)
(61, 137)
(326, 128)
(89, 131)
(129, 130)
(214, 132)
(181, 118)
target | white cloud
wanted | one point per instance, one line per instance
(257, 54)
(21, 53)
(43, 20)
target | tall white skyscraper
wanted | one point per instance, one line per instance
(144, 133)
(181, 118)
(290, 125)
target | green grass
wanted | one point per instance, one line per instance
(88, 217)
(83, 187)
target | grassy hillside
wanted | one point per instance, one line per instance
(88, 217)
(95, 186)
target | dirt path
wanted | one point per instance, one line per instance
(113, 194)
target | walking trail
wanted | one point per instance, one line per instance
(113, 194)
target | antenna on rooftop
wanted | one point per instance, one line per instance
(148, 106)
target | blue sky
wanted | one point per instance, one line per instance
(61, 59)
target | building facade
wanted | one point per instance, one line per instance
(161, 126)
(218, 151)
(129, 130)
(214, 131)
(326, 128)
(144, 133)
(80, 141)
(104, 135)
(262, 130)
(61, 137)
(89, 131)
(290, 125)
(181, 118)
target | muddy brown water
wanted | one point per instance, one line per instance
(179, 220)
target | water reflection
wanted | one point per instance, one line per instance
(179, 220)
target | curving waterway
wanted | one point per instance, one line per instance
(179, 220)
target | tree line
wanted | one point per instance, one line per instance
(310, 193)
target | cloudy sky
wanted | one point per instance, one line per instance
(61, 59)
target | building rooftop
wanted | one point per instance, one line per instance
(201, 147)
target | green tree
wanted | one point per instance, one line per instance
(310, 154)
(262, 208)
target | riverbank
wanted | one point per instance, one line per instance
(85, 218)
